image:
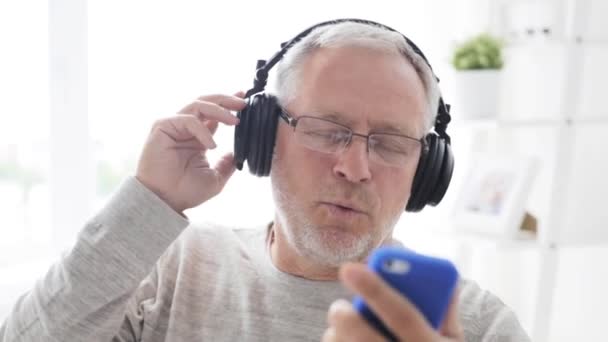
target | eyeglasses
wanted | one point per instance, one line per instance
(326, 136)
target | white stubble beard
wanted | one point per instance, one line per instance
(327, 247)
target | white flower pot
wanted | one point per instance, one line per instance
(476, 93)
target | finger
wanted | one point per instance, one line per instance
(225, 168)
(190, 144)
(200, 131)
(183, 128)
(229, 102)
(349, 325)
(240, 94)
(329, 335)
(451, 325)
(210, 111)
(211, 126)
(398, 313)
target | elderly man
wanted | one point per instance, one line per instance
(354, 102)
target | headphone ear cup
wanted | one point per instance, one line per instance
(433, 174)
(259, 159)
(429, 182)
(255, 135)
(429, 173)
(255, 145)
(241, 134)
(413, 203)
(271, 127)
(445, 175)
(266, 141)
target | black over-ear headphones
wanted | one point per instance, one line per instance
(254, 136)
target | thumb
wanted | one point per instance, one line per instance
(240, 94)
(451, 325)
(225, 168)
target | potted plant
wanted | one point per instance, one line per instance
(478, 62)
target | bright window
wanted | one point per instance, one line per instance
(24, 128)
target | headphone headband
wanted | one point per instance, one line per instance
(264, 67)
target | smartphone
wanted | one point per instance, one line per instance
(428, 282)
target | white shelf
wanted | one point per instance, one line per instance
(522, 240)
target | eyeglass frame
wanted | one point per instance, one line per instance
(292, 121)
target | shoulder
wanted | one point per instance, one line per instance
(206, 241)
(212, 236)
(485, 317)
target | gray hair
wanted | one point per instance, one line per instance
(284, 82)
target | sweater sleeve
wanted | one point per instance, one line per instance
(486, 318)
(84, 295)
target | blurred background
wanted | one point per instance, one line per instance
(81, 82)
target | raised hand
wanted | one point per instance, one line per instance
(174, 164)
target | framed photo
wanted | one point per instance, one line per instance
(492, 199)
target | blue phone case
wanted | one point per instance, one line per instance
(428, 282)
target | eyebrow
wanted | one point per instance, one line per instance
(378, 127)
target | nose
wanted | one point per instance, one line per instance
(352, 164)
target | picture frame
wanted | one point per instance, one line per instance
(492, 198)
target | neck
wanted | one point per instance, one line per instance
(287, 259)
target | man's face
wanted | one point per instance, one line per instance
(338, 207)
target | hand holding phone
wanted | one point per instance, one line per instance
(428, 282)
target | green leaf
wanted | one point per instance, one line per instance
(482, 51)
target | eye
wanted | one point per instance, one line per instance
(335, 136)
(389, 145)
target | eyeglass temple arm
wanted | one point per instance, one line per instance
(288, 118)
